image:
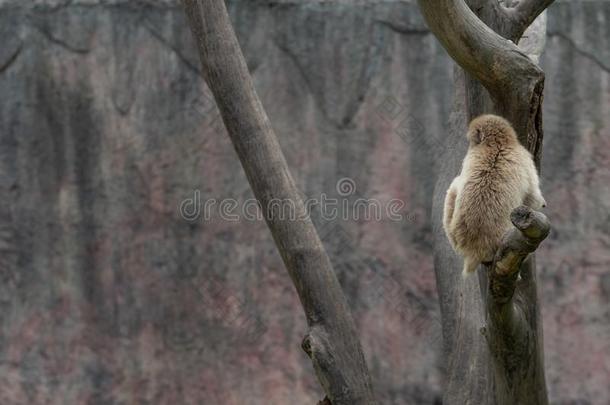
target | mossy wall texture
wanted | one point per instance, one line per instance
(109, 295)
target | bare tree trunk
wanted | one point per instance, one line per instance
(331, 341)
(491, 326)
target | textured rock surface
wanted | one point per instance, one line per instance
(109, 296)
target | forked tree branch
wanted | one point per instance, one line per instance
(484, 54)
(524, 13)
(513, 80)
(511, 17)
(515, 86)
(331, 342)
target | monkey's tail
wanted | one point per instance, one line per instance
(470, 266)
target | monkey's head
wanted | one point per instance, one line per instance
(490, 129)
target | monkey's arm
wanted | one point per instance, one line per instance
(449, 209)
(533, 198)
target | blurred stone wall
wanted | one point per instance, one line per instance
(109, 295)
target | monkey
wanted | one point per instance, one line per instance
(498, 175)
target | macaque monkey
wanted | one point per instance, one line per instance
(498, 175)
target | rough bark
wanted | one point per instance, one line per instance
(509, 368)
(331, 341)
(511, 328)
(522, 15)
(513, 81)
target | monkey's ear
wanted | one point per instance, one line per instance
(476, 136)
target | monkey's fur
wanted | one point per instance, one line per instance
(498, 174)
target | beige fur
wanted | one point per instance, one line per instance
(498, 175)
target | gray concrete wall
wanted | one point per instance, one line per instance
(109, 296)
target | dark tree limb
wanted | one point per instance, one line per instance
(513, 81)
(510, 335)
(331, 342)
(531, 228)
(511, 17)
(524, 13)
(476, 35)
(481, 52)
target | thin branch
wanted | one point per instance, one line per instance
(4, 65)
(507, 320)
(589, 54)
(525, 12)
(512, 329)
(532, 227)
(331, 342)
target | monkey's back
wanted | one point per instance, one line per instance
(493, 187)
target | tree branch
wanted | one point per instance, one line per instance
(525, 12)
(532, 227)
(331, 342)
(512, 329)
(514, 85)
(505, 318)
(475, 47)
(507, 73)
